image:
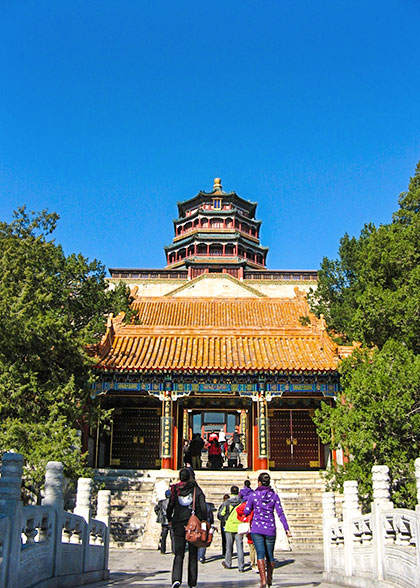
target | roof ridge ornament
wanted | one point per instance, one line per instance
(217, 185)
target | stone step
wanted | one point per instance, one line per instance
(133, 521)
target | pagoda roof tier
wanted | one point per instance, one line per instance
(227, 234)
(211, 212)
(207, 335)
(213, 236)
(232, 197)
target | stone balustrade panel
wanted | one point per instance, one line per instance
(37, 543)
(382, 546)
(45, 544)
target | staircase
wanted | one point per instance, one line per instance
(135, 492)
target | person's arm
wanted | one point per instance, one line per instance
(171, 506)
(249, 505)
(210, 516)
(282, 516)
(202, 508)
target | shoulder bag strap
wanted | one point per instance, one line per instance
(193, 508)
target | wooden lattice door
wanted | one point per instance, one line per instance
(135, 438)
(294, 442)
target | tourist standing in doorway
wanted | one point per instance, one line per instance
(215, 455)
(178, 512)
(196, 446)
(160, 510)
(236, 438)
(262, 503)
(186, 453)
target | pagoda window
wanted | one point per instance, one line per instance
(187, 227)
(237, 225)
(217, 203)
(216, 250)
(172, 258)
(229, 249)
(196, 222)
(205, 222)
(216, 223)
(190, 250)
(182, 254)
(229, 223)
(245, 228)
(202, 249)
(260, 259)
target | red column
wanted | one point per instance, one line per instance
(167, 432)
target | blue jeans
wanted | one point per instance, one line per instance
(264, 545)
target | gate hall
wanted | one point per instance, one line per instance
(219, 343)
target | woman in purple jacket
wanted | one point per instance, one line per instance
(263, 527)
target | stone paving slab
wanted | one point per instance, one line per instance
(143, 569)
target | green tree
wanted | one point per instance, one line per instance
(51, 307)
(371, 294)
(377, 419)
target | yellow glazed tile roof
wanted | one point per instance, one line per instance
(218, 335)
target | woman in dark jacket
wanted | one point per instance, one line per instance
(178, 512)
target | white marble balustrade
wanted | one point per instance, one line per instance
(380, 549)
(45, 544)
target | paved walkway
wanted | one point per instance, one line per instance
(141, 569)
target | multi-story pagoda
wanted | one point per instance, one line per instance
(216, 232)
(219, 343)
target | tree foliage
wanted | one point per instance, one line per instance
(371, 294)
(377, 418)
(51, 306)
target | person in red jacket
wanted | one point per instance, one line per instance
(215, 455)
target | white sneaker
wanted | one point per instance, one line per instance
(176, 584)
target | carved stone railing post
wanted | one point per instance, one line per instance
(103, 514)
(53, 496)
(83, 499)
(53, 492)
(104, 506)
(11, 506)
(351, 510)
(328, 519)
(381, 502)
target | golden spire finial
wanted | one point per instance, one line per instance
(217, 185)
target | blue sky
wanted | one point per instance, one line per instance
(112, 111)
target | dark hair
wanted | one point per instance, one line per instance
(225, 497)
(184, 474)
(216, 442)
(234, 490)
(264, 478)
(247, 483)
